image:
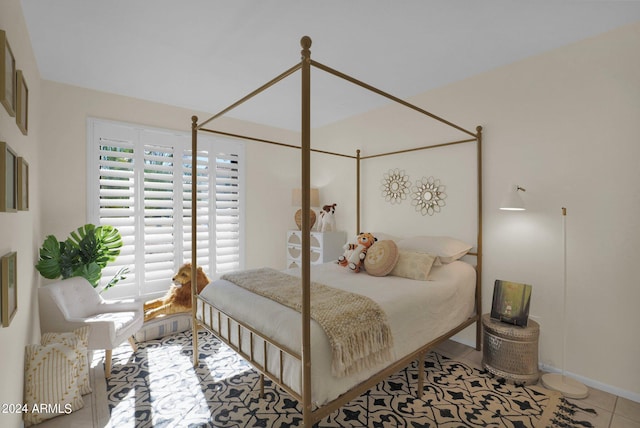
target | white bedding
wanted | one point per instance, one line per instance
(418, 312)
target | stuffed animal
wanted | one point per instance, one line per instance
(354, 253)
(178, 297)
(327, 220)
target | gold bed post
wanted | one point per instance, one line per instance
(305, 42)
(194, 212)
(357, 191)
(479, 256)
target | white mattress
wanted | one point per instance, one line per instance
(418, 312)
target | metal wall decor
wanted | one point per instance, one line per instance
(395, 186)
(428, 195)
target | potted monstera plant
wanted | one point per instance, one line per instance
(84, 253)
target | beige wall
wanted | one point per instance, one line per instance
(564, 126)
(20, 231)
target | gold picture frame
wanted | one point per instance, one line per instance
(7, 75)
(8, 179)
(9, 288)
(22, 103)
(23, 185)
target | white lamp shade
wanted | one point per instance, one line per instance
(296, 198)
(512, 200)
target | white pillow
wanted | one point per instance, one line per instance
(381, 236)
(447, 249)
(79, 342)
(50, 382)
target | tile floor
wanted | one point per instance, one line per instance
(613, 411)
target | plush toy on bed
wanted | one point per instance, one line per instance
(354, 253)
(178, 297)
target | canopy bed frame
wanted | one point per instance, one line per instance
(203, 307)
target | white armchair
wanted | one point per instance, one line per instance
(73, 303)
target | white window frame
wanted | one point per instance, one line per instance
(140, 283)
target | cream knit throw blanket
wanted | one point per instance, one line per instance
(356, 326)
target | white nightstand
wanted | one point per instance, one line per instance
(325, 247)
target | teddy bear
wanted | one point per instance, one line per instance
(354, 253)
(178, 297)
(327, 221)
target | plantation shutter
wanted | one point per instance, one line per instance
(116, 195)
(204, 197)
(227, 206)
(159, 214)
(139, 181)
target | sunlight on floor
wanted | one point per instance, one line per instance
(165, 385)
(164, 377)
(125, 405)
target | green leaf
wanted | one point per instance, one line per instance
(69, 259)
(109, 243)
(120, 275)
(49, 263)
(87, 251)
(92, 272)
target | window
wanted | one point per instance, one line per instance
(139, 181)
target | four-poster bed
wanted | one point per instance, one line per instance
(273, 354)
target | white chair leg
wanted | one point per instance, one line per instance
(107, 363)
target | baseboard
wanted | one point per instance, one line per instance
(633, 396)
(629, 395)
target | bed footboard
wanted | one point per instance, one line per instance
(258, 349)
(249, 343)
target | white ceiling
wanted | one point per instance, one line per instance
(206, 54)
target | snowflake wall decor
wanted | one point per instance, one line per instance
(428, 196)
(395, 186)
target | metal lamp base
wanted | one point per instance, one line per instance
(568, 387)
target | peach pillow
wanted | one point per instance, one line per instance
(381, 258)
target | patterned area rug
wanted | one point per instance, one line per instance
(158, 387)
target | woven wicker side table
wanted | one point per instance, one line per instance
(509, 351)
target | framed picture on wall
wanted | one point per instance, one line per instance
(22, 103)
(8, 178)
(9, 288)
(511, 302)
(23, 184)
(7, 75)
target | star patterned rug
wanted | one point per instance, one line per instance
(158, 387)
